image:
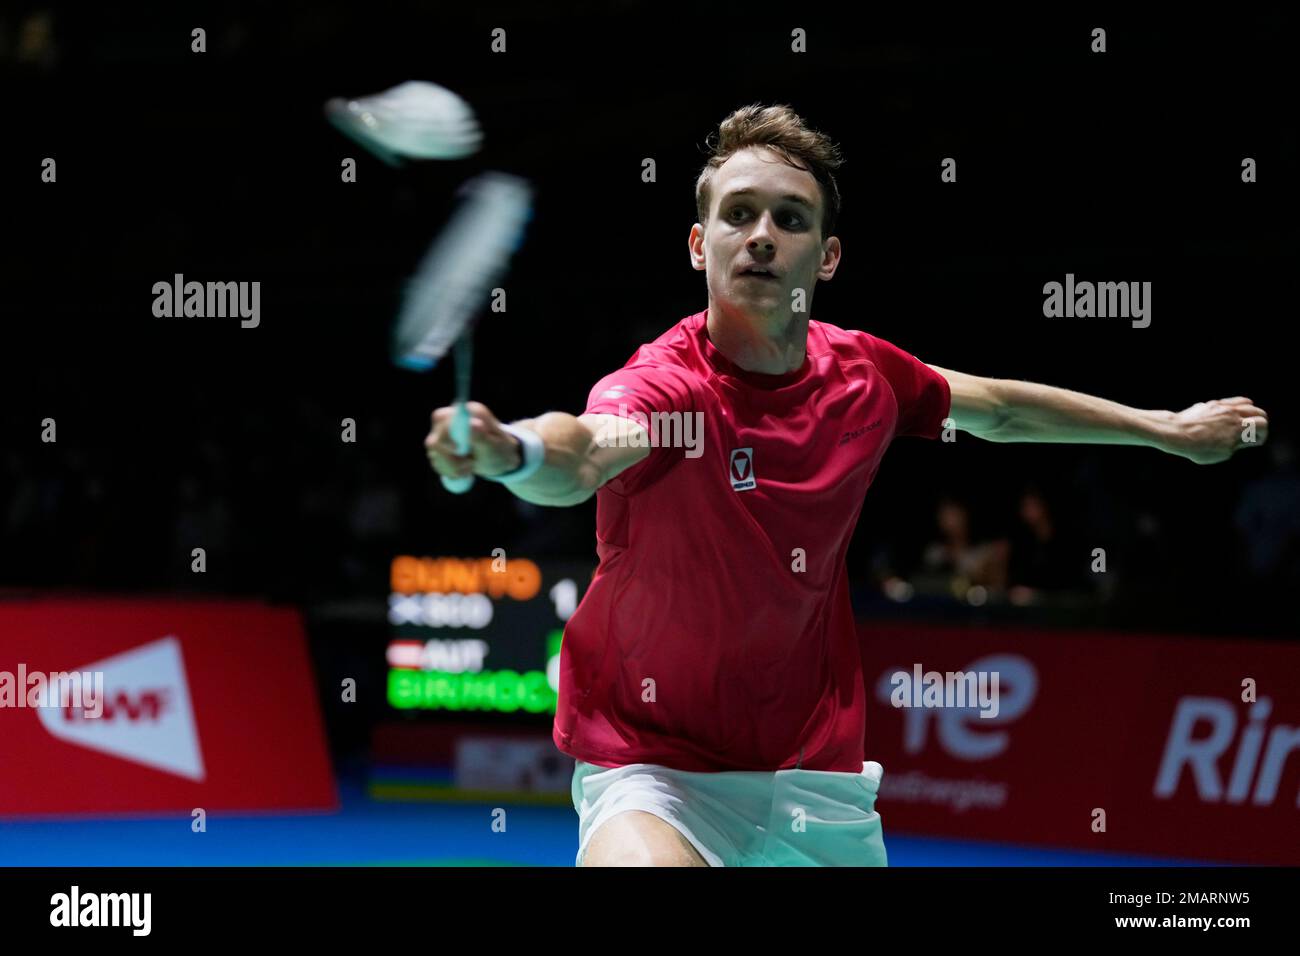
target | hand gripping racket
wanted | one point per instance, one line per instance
(454, 282)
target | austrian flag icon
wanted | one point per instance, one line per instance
(742, 469)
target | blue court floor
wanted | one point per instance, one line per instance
(367, 832)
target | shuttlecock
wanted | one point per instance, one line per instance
(413, 120)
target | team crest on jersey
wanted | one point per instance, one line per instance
(741, 469)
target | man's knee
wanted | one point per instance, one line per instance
(637, 838)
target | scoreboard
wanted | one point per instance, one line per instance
(479, 634)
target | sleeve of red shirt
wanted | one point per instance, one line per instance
(924, 396)
(645, 389)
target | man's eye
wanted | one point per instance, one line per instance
(791, 219)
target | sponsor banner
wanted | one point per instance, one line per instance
(179, 706)
(512, 765)
(1116, 743)
(455, 761)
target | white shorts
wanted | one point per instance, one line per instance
(744, 818)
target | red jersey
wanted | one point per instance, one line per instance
(717, 633)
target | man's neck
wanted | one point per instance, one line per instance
(771, 345)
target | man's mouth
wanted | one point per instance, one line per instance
(757, 272)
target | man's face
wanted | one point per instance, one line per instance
(763, 239)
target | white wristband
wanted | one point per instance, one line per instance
(532, 453)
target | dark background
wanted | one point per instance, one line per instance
(174, 433)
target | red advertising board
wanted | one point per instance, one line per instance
(176, 705)
(1116, 743)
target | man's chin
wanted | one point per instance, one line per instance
(761, 296)
(757, 308)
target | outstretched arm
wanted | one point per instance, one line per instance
(1008, 410)
(582, 452)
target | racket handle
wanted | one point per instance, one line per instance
(458, 486)
(459, 435)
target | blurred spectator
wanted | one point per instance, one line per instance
(203, 520)
(34, 43)
(955, 563)
(1268, 518)
(1040, 560)
(374, 521)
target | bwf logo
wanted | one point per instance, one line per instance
(742, 469)
(147, 716)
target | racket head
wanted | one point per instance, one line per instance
(461, 267)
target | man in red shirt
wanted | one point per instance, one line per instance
(711, 683)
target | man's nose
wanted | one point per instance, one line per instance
(760, 240)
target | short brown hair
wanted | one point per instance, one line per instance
(779, 128)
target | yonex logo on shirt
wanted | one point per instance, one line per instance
(742, 469)
(859, 432)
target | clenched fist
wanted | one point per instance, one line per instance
(493, 450)
(1210, 432)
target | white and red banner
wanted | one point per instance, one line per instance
(1137, 744)
(179, 705)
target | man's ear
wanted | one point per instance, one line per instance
(830, 259)
(696, 244)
